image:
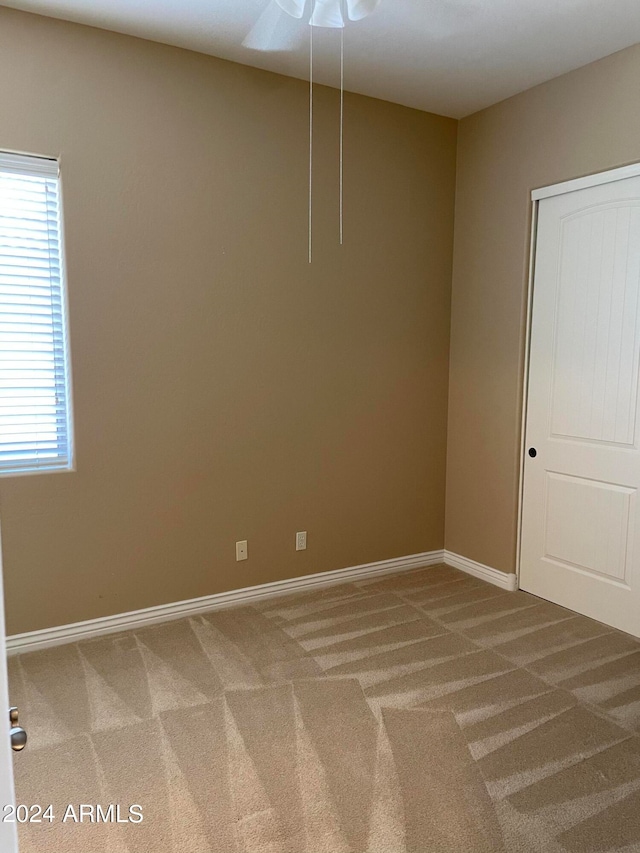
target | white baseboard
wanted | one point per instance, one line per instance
(478, 570)
(33, 640)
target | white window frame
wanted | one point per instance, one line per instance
(38, 166)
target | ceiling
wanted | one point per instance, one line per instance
(451, 57)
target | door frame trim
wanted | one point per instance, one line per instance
(8, 830)
(525, 380)
(620, 174)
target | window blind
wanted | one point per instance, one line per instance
(35, 411)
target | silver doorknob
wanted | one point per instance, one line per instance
(17, 733)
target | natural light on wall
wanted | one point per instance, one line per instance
(35, 398)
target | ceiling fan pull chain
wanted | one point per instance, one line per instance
(342, 136)
(310, 142)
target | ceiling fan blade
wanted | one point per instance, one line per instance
(359, 9)
(327, 13)
(263, 34)
(295, 8)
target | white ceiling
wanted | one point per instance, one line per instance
(451, 57)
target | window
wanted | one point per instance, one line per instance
(35, 401)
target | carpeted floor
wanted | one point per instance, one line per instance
(426, 711)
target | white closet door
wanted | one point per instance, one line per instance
(581, 517)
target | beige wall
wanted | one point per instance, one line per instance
(583, 122)
(223, 388)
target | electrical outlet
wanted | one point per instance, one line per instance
(301, 540)
(241, 550)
